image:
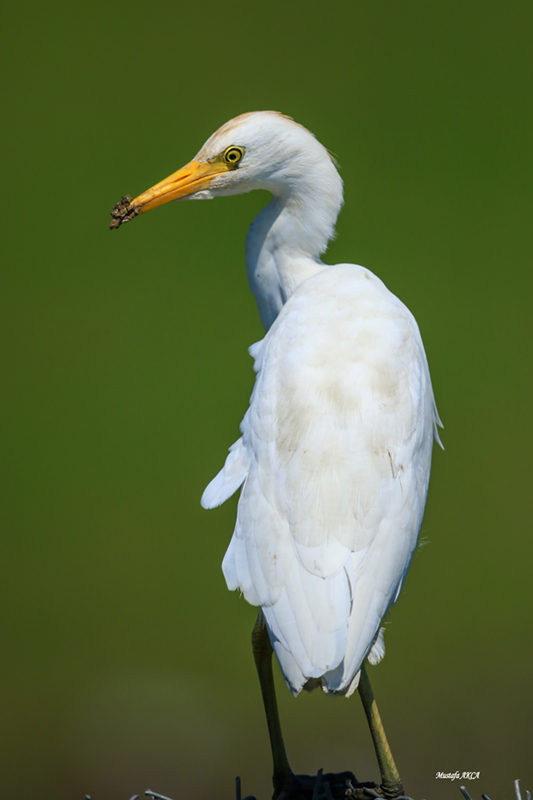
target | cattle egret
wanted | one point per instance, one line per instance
(334, 458)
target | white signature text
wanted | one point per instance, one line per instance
(454, 776)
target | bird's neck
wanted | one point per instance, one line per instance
(284, 244)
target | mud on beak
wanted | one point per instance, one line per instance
(193, 177)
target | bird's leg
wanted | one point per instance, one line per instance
(263, 661)
(391, 785)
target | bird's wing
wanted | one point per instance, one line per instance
(335, 459)
(230, 478)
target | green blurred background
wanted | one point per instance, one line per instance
(125, 662)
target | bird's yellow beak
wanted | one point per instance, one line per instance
(193, 177)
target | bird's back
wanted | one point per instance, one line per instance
(335, 460)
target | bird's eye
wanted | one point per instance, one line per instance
(233, 155)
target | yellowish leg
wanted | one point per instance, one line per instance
(262, 650)
(391, 785)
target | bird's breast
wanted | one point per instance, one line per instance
(342, 403)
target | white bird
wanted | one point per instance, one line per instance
(334, 458)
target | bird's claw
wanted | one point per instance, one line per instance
(329, 786)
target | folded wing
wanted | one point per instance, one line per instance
(334, 463)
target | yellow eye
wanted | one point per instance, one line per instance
(233, 155)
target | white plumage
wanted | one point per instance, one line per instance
(334, 458)
(335, 453)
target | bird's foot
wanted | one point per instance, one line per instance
(389, 790)
(329, 786)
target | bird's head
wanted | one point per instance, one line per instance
(259, 150)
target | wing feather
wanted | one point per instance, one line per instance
(335, 459)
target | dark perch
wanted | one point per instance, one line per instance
(326, 787)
